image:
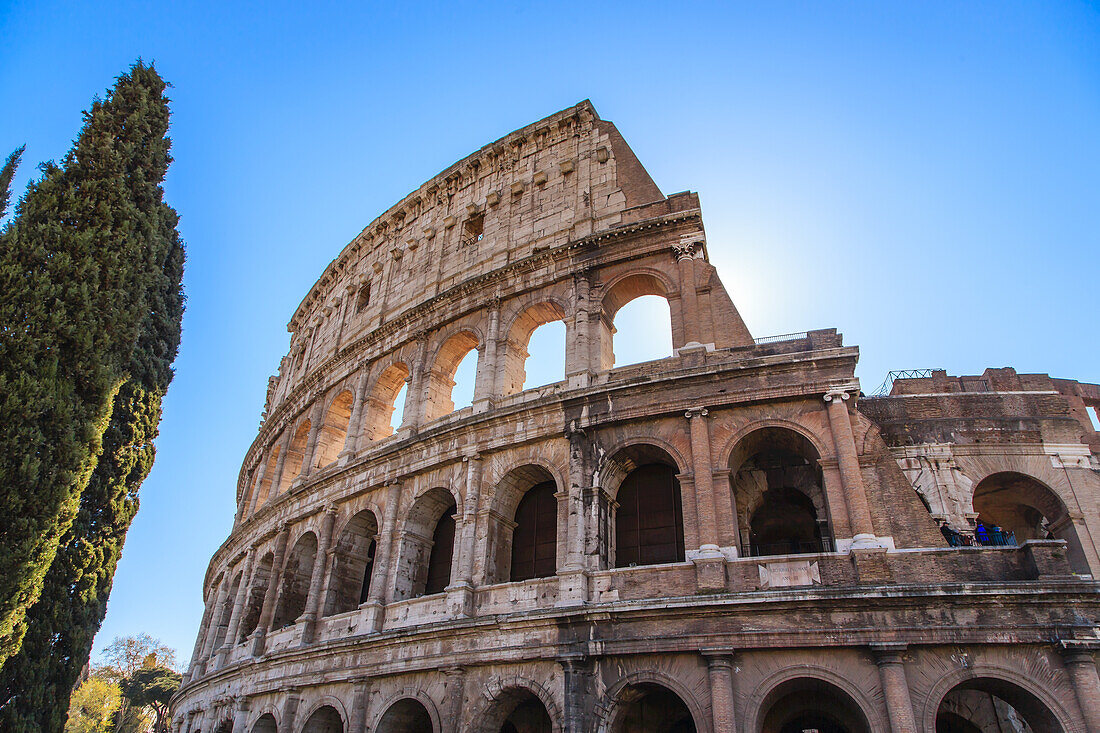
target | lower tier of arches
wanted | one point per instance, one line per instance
(878, 688)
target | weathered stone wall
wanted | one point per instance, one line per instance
(317, 616)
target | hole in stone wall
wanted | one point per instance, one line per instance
(362, 299)
(643, 331)
(545, 355)
(399, 408)
(463, 392)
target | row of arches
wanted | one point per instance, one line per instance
(797, 705)
(534, 348)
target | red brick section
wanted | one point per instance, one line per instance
(1081, 665)
(891, 669)
(856, 498)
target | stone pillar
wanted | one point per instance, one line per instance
(238, 607)
(355, 421)
(414, 397)
(240, 714)
(1081, 666)
(710, 563)
(486, 381)
(387, 536)
(855, 496)
(578, 349)
(455, 692)
(212, 627)
(310, 453)
(280, 464)
(193, 669)
(578, 675)
(720, 671)
(290, 708)
(689, 299)
(360, 702)
(460, 591)
(317, 576)
(261, 474)
(895, 687)
(272, 592)
(572, 575)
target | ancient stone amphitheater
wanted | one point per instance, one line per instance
(732, 538)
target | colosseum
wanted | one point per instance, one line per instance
(732, 538)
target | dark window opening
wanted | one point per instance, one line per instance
(473, 229)
(649, 524)
(535, 537)
(363, 298)
(364, 593)
(439, 562)
(786, 523)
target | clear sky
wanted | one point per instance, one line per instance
(922, 176)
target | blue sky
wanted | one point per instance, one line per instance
(922, 176)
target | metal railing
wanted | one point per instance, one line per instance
(888, 384)
(790, 547)
(780, 337)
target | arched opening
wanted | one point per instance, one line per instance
(651, 708)
(535, 352)
(386, 406)
(427, 546)
(516, 710)
(225, 726)
(1013, 508)
(295, 586)
(405, 716)
(325, 719)
(226, 613)
(804, 704)
(265, 724)
(354, 564)
(334, 430)
(295, 454)
(637, 308)
(779, 494)
(649, 518)
(535, 537)
(450, 382)
(254, 601)
(988, 705)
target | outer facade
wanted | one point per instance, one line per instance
(729, 539)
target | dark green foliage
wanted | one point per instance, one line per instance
(35, 683)
(152, 687)
(6, 174)
(87, 242)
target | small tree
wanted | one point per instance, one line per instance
(127, 654)
(93, 706)
(152, 686)
(6, 174)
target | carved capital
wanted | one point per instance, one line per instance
(684, 250)
(696, 412)
(837, 393)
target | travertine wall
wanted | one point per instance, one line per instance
(317, 617)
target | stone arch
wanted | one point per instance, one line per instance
(519, 332)
(504, 502)
(624, 455)
(622, 290)
(401, 712)
(822, 444)
(632, 689)
(1042, 710)
(439, 380)
(422, 543)
(779, 492)
(297, 572)
(265, 722)
(381, 401)
(813, 682)
(295, 455)
(327, 715)
(254, 601)
(647, 516)
(334, 429)
(503, 697)
(353, 563)
(1027, 508)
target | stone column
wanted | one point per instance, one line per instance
(460, 591)
(689, 299)
(578, 349)
(572, 576)
(355, 421)
(360, 702)
(710, 563)
(290, 708)
(855, 496)
(272, 592)
(414, 397)
(310, 453)
(212, 627)
(455, 692)
(1081, 666)
(317, 576)
(720, 671)
(261, 474)
(895, 687)
(238, 607)
(486, 381)
(240, 713)
(280, 464)
(193, 669)
(578, 675)
(387, 536)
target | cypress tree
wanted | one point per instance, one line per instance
(6, 174)
(35, 684)
(76, 265)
